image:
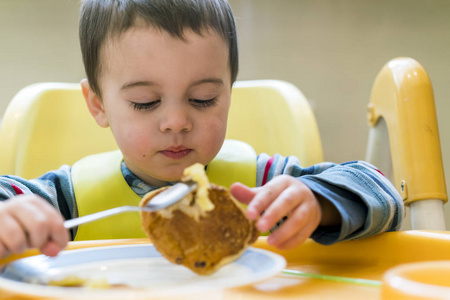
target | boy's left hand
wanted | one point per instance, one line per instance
(282, 196)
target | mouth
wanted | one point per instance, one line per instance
(176, 153)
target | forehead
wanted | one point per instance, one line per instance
(143, 47)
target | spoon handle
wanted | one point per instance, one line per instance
(164, 199)
(100, 215)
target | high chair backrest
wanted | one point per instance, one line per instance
(402, 114)
(47, 125)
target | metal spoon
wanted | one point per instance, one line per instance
(164, 199)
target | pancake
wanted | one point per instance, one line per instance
(204, 231)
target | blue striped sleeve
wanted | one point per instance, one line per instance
(54, 186)
(366, 200)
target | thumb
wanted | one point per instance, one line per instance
(50, 249)
(242, 193)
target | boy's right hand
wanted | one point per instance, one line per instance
(28, 221)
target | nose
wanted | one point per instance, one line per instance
(175, 119)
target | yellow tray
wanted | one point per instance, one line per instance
(347, 270)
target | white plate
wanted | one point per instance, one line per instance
(140, 267)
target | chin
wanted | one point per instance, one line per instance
(173, 174)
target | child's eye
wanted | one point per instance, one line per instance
(145, 106)
(203, 103)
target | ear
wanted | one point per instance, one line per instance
(94, 104)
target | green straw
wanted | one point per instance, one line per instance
(367, 282)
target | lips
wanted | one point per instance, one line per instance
(176, 153)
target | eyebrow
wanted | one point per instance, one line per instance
(213, 80)
(136, 83)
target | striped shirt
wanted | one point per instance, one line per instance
(367, 202)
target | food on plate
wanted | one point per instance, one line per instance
(94, 283)
(75, 281)
(203, 231)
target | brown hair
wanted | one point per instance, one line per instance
(102, 19)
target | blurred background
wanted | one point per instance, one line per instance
(331, 50)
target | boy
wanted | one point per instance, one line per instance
(159, 74)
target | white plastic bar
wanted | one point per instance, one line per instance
(378, 149)
(427, 214)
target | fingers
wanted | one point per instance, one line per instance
(12, 237)
(282, 196)
(245, 195)
(276, 199)
(242, 192)
(28, 221)
(50, 249)
(287, 201)
(4, 252)
(32, 219)
(50, 222)
(59, 236)
(263, 198)
(286, 196)
(297, 228)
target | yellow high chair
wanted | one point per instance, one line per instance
(47, 125)
(401, 112)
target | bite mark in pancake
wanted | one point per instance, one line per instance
(200, 235)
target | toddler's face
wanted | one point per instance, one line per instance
(165, 99)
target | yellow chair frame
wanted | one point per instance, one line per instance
(402, 114)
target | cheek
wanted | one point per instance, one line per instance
(131, 136)
(136, 147)
(213, 133)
